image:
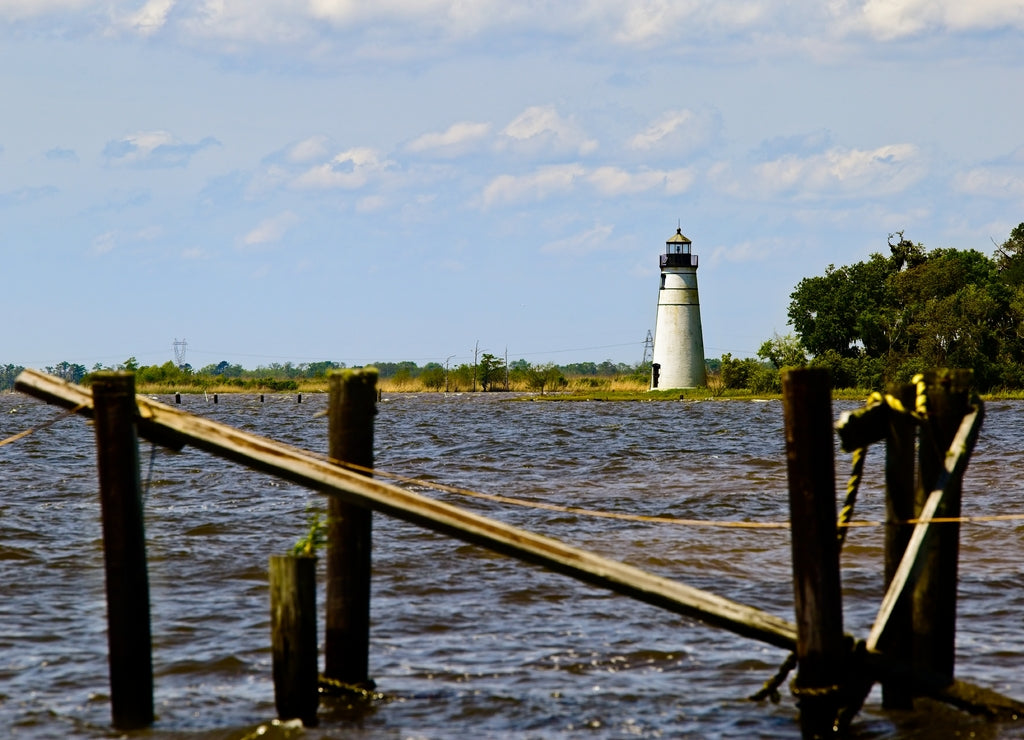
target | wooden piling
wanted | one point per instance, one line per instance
(352, 406)
(900, 464)
(934, 598)
(177, 398)
(293, 637)
(124, 549)
(821, 650)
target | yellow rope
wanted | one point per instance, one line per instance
(640, 517)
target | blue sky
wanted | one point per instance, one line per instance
(273, 180)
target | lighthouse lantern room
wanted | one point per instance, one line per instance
(678, 359)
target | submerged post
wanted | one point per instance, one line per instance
(934, 600)
(352, 406)
(821, 651)
(124, 550)
(293, 637)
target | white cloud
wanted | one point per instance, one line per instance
(991, 182)
(836, 172)
(148, 19)
(540, 128)
(660, 128)
(153, 149)
(535, 186)
(611, 181)
(270, 230)
(348, 170)
(308, 150)
(894, 19)
(457, 138)
(605, 181)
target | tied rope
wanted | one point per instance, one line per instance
(770, 689)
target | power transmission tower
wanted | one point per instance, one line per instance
(648, 347)
(180, 345)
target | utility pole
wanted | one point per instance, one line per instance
(476, 351)
(446, 361)
(648, 346)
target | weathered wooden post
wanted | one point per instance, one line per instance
(124, 550)
(821, 651)
(934, 599)
(293, 637)
(900, 464)
(352, 406)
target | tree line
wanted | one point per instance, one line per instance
(874, 322)
(488, 373)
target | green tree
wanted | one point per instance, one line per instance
(783, 352)
(490, 371)
(539, 377)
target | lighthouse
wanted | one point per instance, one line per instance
(678, 360)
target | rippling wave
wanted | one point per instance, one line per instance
(466, 643)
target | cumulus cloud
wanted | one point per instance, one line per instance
(991, 182)
(458, 138)
(611, 181)
(348, 170)
(310, 149)
(148, 19)
(838, 171)
(562, 179)
(153, 149)
(894, 19)
(537, 185)
(540, 128)
(270, 230)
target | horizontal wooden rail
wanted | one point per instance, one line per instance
(166, 425)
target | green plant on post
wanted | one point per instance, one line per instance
(315, 537)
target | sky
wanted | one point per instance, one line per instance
(275, 181)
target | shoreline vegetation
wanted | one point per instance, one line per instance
(577, 389)
(526, 383)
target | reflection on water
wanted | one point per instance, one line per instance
(467, 643)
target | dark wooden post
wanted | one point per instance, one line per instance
(293, 637)
(124, 549)
(934, 600)
(821, 651)
(900, 463)
(352, 407)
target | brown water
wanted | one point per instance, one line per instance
(467, 644)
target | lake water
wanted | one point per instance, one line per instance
(465, 643)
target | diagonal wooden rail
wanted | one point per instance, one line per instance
(166, 425)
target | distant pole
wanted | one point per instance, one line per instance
(352, 406)
(821, 653)
(124, 550)
(447, 360)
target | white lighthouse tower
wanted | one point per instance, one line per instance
(678, 360)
